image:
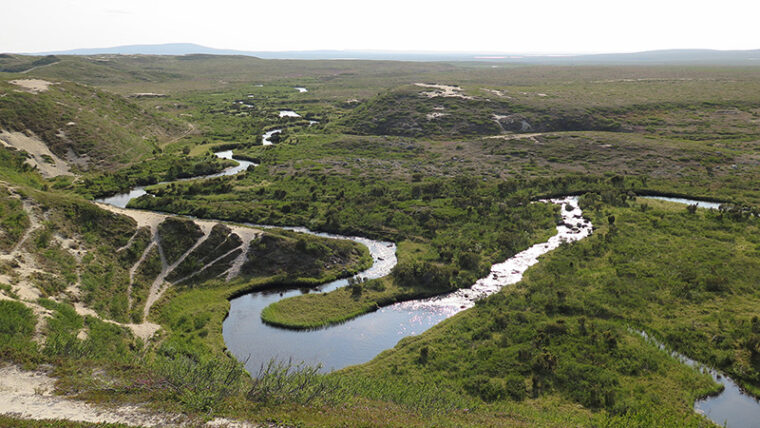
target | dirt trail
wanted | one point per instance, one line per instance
(152, 220)
(129, 242)
(134, 268)
(24, 264)
(144, 330)
(160, 285)
(143, 218)
(34, 224)
(247, 235)
(190, 129)
(208, 265)
(29, 395)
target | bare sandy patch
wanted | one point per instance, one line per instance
(247, 235)
(46, 162)
(510, 122)
(144, 330)
(147, 95)
(443, 91)
(29, 395)
(498, 93)
(516, 136)
(228, 423)
(32, 85)
(143, 218)
(152, 220)
(81, 161)
(435, 115)
(531, 137)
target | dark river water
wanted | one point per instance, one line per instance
(361, 339)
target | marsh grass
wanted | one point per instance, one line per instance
(200, 384)
(279, 382)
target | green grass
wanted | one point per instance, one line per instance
(567, 327)
(108, 130)
(177, 235)
(13, 220)
(304, 259)
(150, 171)
(11, 421)
(555, 350)
(361, 296)
(17, 325)
(14, 169)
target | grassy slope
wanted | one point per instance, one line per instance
(10, 63)
(175, 74)
(566, 327)
(107, 128)
(713, 142)
(110, 351)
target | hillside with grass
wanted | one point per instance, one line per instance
(449, 162)
(88, 128)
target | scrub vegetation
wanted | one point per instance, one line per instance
(450, 170)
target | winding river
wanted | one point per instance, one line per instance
(122, 199)
(361, 339)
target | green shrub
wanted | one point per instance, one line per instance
(202, 384)
(17, 325)
(284, 382)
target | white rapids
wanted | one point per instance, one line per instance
(573, 228)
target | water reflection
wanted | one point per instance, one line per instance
(361, 339)
(122, 199)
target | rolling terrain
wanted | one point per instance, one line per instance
(125, 306)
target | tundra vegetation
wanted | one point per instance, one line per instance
(451, 174)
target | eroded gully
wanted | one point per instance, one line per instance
(362, 338)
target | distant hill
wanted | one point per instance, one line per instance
(89, 127)
(696, 56)
(673, 56)
(162, 49)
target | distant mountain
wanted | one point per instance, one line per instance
(163, 49)
(673, 56)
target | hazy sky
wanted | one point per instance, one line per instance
(528, 26)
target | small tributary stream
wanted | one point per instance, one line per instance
(732, 407)
(361, 339)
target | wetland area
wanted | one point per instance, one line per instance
(361, 243)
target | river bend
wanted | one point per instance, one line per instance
(361, 339)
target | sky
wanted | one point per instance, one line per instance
(495, 26)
